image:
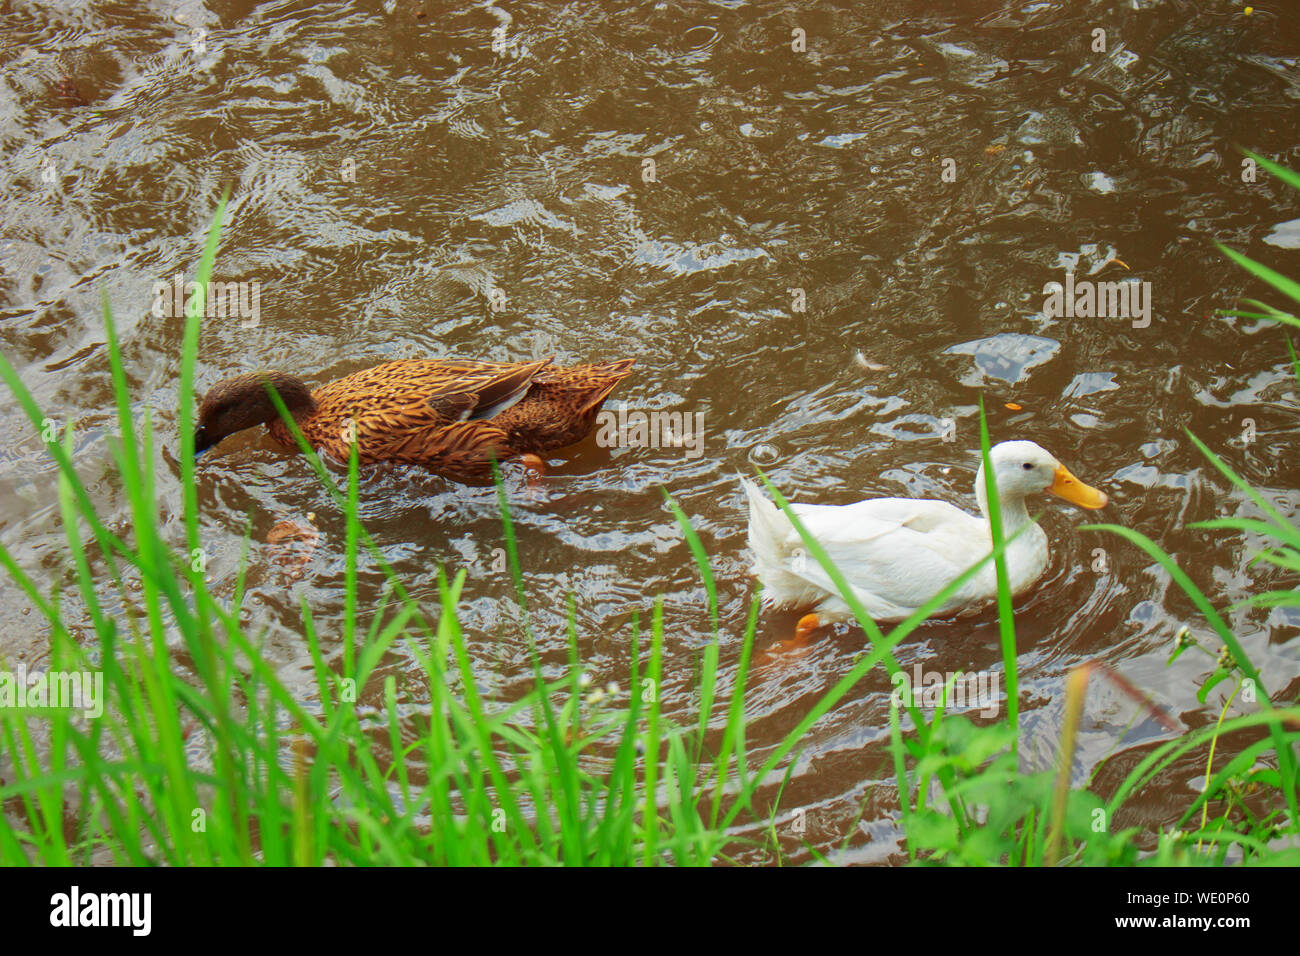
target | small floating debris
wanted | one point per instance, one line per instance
(67, 88)
(867, 364)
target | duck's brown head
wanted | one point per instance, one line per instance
(242, 402)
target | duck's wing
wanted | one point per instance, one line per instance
(479, 393)
(416, 409)
(895, 553)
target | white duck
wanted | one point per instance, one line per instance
(897, 553)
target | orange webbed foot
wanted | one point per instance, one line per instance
(796, 646)
(534, 472)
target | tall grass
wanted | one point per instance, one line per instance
(226, 765)
(203, 755)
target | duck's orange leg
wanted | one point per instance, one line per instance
(534, 470)
(808, 625)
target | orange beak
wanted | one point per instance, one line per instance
(1075, 491)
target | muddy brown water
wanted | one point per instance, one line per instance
(471, 179)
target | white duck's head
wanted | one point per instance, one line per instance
(1022, 468)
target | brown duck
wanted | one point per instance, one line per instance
(450, 416)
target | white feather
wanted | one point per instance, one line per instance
(898, 553)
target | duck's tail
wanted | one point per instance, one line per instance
(606, 377)
(769, 535)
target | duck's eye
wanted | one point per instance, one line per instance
(1028, 466)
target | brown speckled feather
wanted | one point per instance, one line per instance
(453, 417)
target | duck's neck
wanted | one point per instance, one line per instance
(1012, 508)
